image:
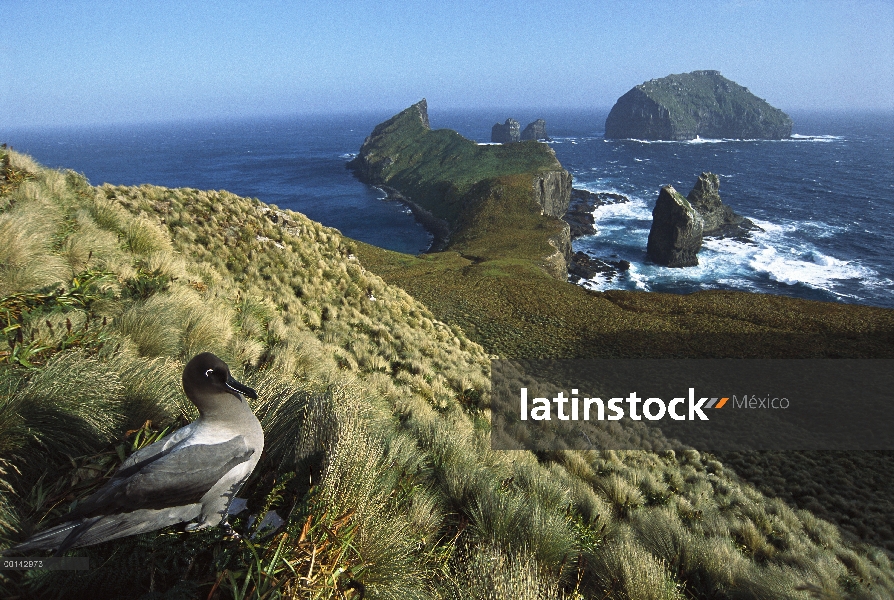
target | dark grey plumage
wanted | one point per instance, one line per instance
(191, 475)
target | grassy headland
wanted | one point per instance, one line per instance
(374, 410)
(500, 205)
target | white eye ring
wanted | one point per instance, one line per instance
(208, 372)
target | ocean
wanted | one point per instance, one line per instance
(824, 199)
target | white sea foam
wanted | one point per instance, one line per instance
(812, 268)
(727, 263)
(598, 283)
(771, 227)
(773, 256)
(636, 209)
(639, 280)
(796, 137)
(700, 140)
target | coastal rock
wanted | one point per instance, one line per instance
(719, 219)
(375, 160)
(558, 263)
(535, 131)
(676, 234)
(580, 210)
(698, 104)
(583, 266)
(552, 190)
(506, 133)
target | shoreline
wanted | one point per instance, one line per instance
(437, 228)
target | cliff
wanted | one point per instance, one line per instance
(461, 182)
(698, 104)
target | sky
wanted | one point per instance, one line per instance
(89, 62)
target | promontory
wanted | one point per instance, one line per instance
(490, 202)
(698, 104)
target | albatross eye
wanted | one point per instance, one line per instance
(209, 372)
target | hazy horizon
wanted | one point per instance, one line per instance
(88, 63)
(437, 116)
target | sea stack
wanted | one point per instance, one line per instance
(676, 234)
(506, 133)
(697, 104)
(679, 224)
(510, 132)
(535, 131)
(719, 218)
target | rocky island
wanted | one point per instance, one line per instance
(511, 132)
(506, 133)
(678, 223)
(697, 104)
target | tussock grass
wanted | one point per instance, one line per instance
(486, 572)
(72, 404)
(26, 261)
(623, 569)
(177, 324)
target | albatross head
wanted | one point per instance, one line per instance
(209, 385)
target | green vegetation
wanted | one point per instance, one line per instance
(437, 169)
(500, 203)
(374, 410)
(515, 310)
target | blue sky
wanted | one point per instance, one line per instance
(94, 61)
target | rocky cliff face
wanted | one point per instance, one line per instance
(558, 263)
(375, 159)
(698, 104)
(535, 131)
(506, 133)
(552, 190)
(676, 234)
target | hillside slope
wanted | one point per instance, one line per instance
(375, 414)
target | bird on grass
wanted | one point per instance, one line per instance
(190, 476)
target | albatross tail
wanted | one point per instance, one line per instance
(95, 530)
(59, 538)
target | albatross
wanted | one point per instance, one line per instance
(189, 476)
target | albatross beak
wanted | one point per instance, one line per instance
(241, 388)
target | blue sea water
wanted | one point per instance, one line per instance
(824, 198)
